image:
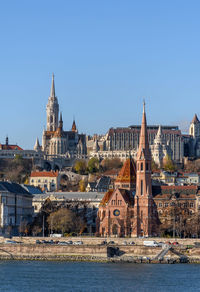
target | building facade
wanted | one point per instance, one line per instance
(45, 180)
(57, 143)
(129, 209)
(15, 205)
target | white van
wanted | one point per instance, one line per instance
(150, 243)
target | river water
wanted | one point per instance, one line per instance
(81, 276)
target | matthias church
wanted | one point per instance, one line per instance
(57, 143)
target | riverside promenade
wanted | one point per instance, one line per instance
(92, 249)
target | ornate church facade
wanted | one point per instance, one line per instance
(129, 209)
(57, 143)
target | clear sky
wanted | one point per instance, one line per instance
(107, 55)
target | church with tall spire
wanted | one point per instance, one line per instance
(129, 209)
(57, 143)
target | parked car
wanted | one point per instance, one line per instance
(150, 243)
(62, 243)
(10, 241)
(131, 242)
(103, 242)
(69, 242)
(38, 241)
(124, 242)
(175, 243)
(78, 242)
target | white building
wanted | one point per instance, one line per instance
(15, 205)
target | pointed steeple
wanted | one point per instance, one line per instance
(74, 129)
(61, 121)
(195, 119)
(37, 145)
(144, 143)
(52, 93)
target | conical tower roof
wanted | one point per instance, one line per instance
(128, 172)
(195, 119)
(74, 129)
(37, 145)
(144, 143)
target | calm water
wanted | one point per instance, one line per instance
(63, 276)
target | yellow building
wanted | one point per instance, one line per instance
(46, 180)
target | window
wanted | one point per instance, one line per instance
(141, 185)
(147, 166)
(191, 205)
(141, 166)
(160, 205)
(166, 204)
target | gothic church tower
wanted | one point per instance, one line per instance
(52, 109)
(143, 199)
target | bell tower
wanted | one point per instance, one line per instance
(52, 109)
(144, 201)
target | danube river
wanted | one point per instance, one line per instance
(81, 276)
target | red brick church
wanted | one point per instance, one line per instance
(129, 209)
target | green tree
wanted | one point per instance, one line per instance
(80, 166)
(93, 165)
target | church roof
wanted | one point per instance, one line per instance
(106, 198)
(195, 119)
(58, 133)
(126, 194)
(128, 172)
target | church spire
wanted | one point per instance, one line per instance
(61, 121)
(52, 93)
(144, 143)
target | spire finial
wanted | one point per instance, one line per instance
(52, 93)
(144, 105)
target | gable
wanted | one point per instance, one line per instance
(117, 199)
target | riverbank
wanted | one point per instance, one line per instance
(117, 252)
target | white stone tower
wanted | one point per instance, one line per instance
(52, 109)
(194, 130)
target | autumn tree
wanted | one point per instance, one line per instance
(80, 166)
(65, 221)
(93, 165)
(82, 185)
(168, 164)
(154, 166)
(113, 163)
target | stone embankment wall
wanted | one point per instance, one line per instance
(47, 251)
(91, 250)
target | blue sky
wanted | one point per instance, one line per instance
(106, 56)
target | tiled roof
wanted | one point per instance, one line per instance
(106, 198)
(128, 172)
(10, 147)
(44, 174)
